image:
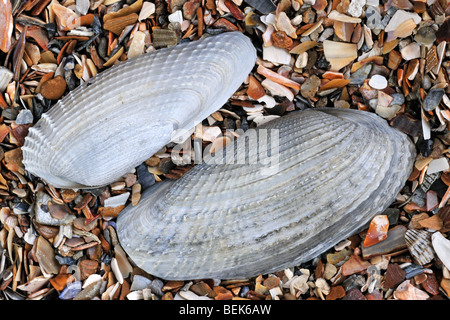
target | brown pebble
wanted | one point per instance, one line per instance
(445, 284)
(124, 290)
(203, 289)
(58, 211)
(167, 296)
(310, 87)
(354, 265)
(416, 219)
(354, 294)
(172, 285)
(53, 89)
(336, 292)
(281, 39)
(88, 267)
(271, 282)
(116, 25)
(189, 8)
(374, 295)
(394, 275)
(431, 285)
(222, 293)
(320, 268)
(434, 222)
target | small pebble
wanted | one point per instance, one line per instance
(53, 89)
(70, 291)
(433, 99)
(24, 117)
(378, 82)
(310, 87)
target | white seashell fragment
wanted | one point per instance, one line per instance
(91, 279)
(260, 120)
(268, 100)
(399, 17)
(411, 51)
(438, 165)
(335, 15)
(355, 8)
(378, 82)
(82, 6)
(441, 246)
(6, 77)
(116, 201)
(111, 124)
(148, 8)
(177, 16)
(276, 55)
(189, 295)
(277, 89)
(116, 270)
(137, 45)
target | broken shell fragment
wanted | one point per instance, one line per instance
(378, 229)
(335, 15)
(6, 77)
(411, 51)
(433, 99)
(405, 29)
(399, 17)
(73, 154)
(339, 54)
(181, 216)
(419, 245)
(441, 246)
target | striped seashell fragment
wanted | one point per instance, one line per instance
(419, 246)
(105, 127)
(332, 172)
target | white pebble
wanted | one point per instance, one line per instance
(378, 82)
(438, 165)
(116, 201)
(148, 8)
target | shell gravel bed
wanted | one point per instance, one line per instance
(385, 57)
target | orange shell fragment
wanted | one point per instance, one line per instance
(378, 230)
(6, 25)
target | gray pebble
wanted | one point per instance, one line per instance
(399, 99)
(433, 99)
(361, 74)
(24, 117)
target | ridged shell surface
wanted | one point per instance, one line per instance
(104, 128)
(335, 170)
(419, 245)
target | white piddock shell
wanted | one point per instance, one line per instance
(337, 168)
(106, 127)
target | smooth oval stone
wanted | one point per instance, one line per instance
(425, 35)
(399, 99)
(433, 99)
